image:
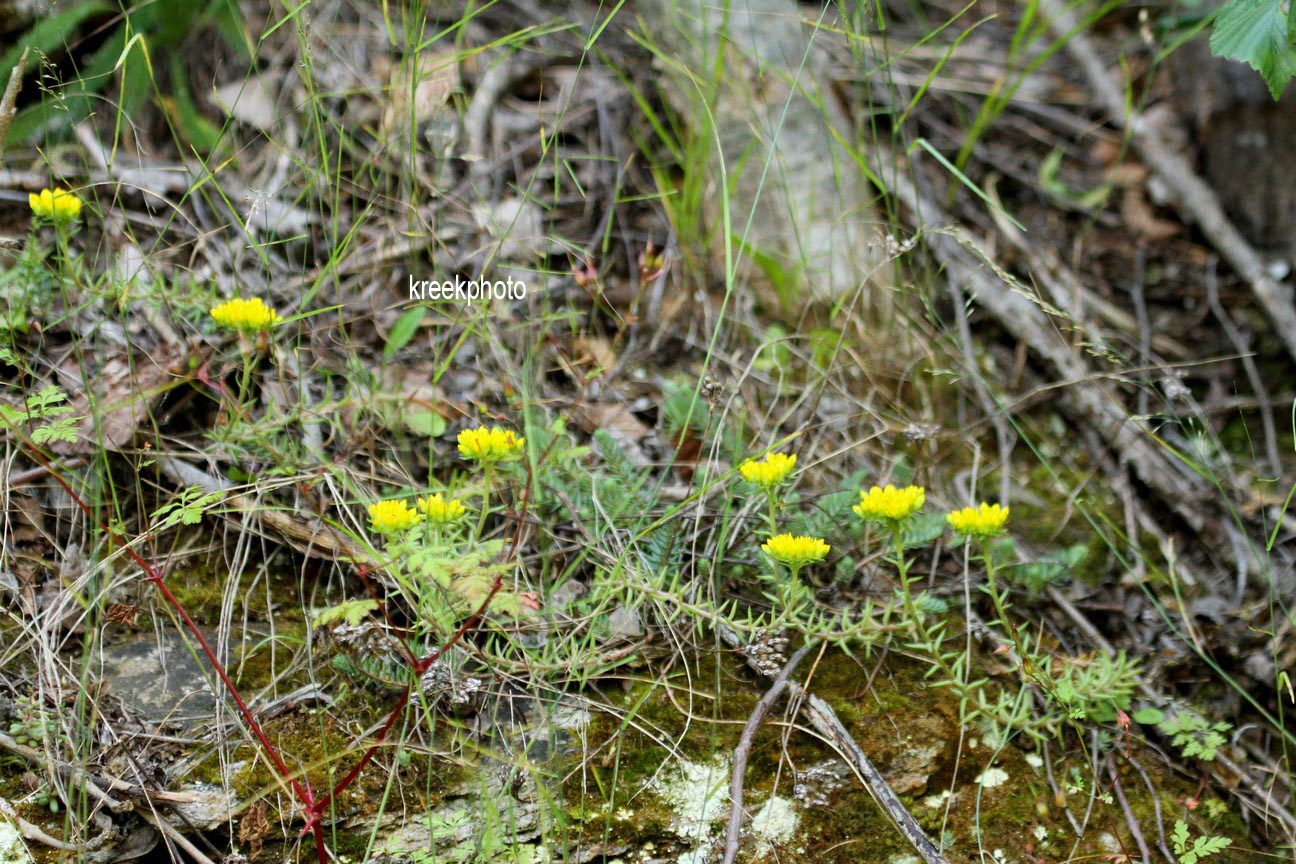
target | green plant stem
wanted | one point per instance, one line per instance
(245, 382)
(241, 407)
(997, 598)
(1001, 609)
(485, 507)
(61, 251)
(926, 638)
(773, 511)
(902, 566)
(787, 591)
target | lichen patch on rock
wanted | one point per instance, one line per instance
(698, 795)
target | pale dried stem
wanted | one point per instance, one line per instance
(9, 103)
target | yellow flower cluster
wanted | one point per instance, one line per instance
(795, 552)
(489, 446)
(245, 315)
(770, 471)
(890, 504)
(440, 511)
(393, 517)
(980, 523)
(56, 205)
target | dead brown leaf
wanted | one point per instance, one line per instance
(596, 352)
(119, 395)
(688, 450)
(1142, 220)
(254, 827)
(423, 94)
(617, 420)
(1126, 174)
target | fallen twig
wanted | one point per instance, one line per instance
(494, 83)
(825, 720)
(1247, 356)
(743, 749)
(1130, 819)
(9, 102)
(173, 834)
(1156, 805)
(969, 266)
(306, 536)
(1268, 806)
(73, 775)
(1193, 197)
(33, 832)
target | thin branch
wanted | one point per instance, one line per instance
(743, 749)
(968, 264)
(34, 832)
(9, 102)
(1156, 804)
(71, 774)
(1130, 819)
(825, 720)
(173, 835)
(1192, 196)
(1243, 348)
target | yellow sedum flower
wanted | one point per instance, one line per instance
(981, 523)
(393, 517)
(56, 205)
(770, 471)
(796, 552)
(440, 511)
(489, 446)
(890, 504)
(245, 315)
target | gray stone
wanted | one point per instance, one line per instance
(156, 674)
(779, 146)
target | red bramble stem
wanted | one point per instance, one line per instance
(312, 808)
(154, 575)
(418, 667)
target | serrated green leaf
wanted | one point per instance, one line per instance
(1255, 32)
(474, 587)
(187, 508)
(507, 603)
(1205, 846)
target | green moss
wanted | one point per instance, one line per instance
(897, 710)
(201, 590)
(606, 798)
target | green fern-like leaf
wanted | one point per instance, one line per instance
(187, 508)
(1199, 849)
(352, 612)
(58, 430)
